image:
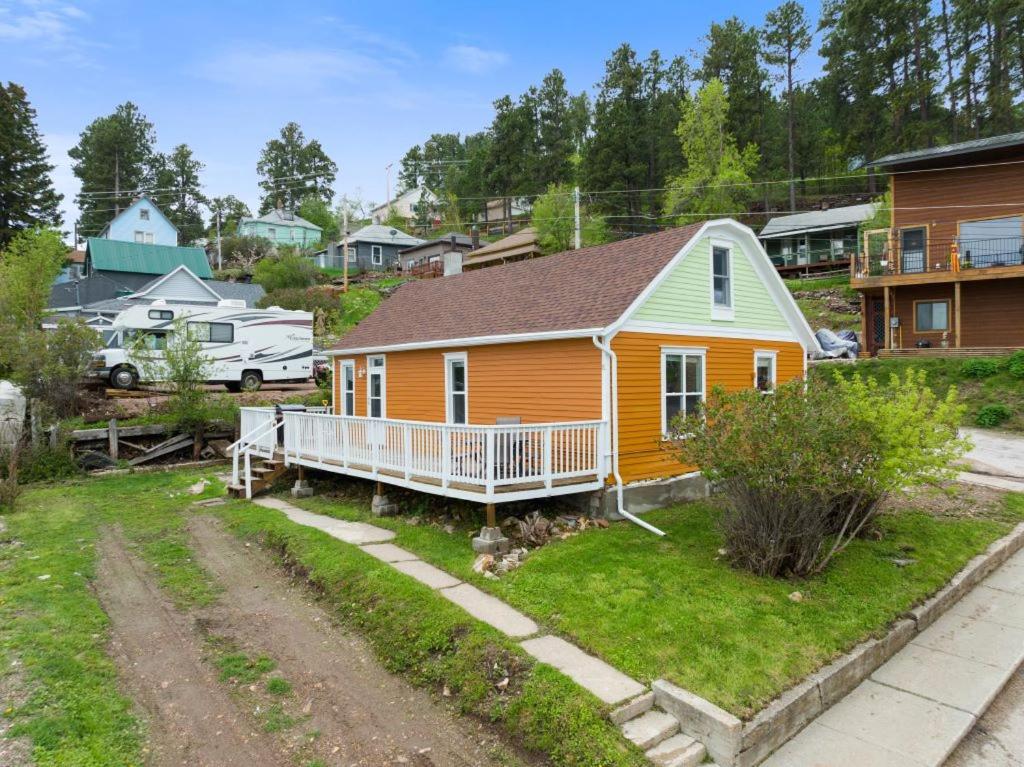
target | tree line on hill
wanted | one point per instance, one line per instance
(897, 75)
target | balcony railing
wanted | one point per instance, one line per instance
(884, 254)
(474, 462)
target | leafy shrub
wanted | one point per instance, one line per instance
(1015, 364)
(285, 270)
(980, 368)
(301, 299)
(357, 304)
(991, 416)
(803, 472)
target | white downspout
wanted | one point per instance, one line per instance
(613, 425)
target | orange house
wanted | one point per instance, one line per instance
(556, 375)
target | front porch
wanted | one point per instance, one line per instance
(482, 463)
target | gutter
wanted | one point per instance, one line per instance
(613, 425)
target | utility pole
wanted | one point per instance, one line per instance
(387, 181)
(220, 261)
(344, 244)
(576, 214)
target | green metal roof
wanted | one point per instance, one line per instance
(119, 256)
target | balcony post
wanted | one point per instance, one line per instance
(956, 314)
(888, 329)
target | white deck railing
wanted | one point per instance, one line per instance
(479, 462)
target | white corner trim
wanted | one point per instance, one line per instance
(713, 331)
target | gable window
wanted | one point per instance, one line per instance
(376, 404)
(144, 214)
(682, 385)
(377, 254)
(212, 332)
(931, 316)
(457, 388)
(721, 282)
(764, 371)
(348, 388)
(140, 237)
(271, 233)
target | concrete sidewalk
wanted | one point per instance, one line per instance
(609, 684)
(916, 708)
(996, 453)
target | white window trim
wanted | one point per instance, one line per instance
(449, 358)
(699, 351)
(774, 356)
(383, 384)
(377, 255)
(342, 366)
(352, 253)
(718, 311)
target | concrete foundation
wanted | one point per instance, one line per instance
(645, 496)
(383, 507)
(491, 541)
(301, 489)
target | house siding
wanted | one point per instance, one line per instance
(730, 363)
(685, 295)
(538, 382)
(130, 221)
(284, 234)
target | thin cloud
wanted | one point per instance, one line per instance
(474, 60)
(38, 22)
(294, 69)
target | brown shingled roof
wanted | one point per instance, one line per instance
(577, 289)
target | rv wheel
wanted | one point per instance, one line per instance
(251, 380)
(123, 378)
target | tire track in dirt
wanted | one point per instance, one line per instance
(364, 714)
(192, 718)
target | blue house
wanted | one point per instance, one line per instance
(141, 222)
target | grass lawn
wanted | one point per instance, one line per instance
(974, 393)
(815, 297)
(53, 632)
(670, 607)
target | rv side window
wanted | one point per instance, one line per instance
(212, 332)
(161, 314)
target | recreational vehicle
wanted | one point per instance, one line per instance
(246, 347)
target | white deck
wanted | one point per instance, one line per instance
(483, 463)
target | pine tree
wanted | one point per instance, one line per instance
(113, 160)
(787, 37)
(231, 209)
(292, 168)
(176, 176)
(27, 196)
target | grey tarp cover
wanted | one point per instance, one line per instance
(834, 346)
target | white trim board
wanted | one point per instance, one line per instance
(513, 338)
(708, 331)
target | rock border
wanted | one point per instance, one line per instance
(733, 743)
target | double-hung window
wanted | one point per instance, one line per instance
(721, 282)
(347, 406)
(764, 371)
(682, 385)
(376, 391)
(377, 254)
(457, 387)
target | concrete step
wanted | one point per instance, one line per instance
(650, 728)
(632, 709)
(678, 751)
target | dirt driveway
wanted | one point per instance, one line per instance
(343, 708)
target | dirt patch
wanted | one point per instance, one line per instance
(192, 718)
(363, 714)
(956, 499)
(14, 752)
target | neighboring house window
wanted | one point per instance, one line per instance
(682, 384)
(931, 316)
(377, 254)
(376, 392)
(352, 251)
(212, 332)
(271, 233)
(992, 242)
(721, 282)
(457, 387)
(161, 314)
(348, 388)
(149, 238)
(140, 237)
(764, 371)
(144, 214)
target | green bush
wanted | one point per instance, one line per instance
(301, 299)
(980, 368)
(44, 463)
(991, 416)
(1015, 364)
(285, 270)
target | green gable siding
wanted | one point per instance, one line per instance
(685, 295)
(120, 256)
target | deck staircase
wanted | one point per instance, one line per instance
(657, 733)
(264, 474)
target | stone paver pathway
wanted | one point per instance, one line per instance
(916, 708)
(607, 683)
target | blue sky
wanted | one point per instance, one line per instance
(367, 80)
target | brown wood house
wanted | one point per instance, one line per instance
(947, 275)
